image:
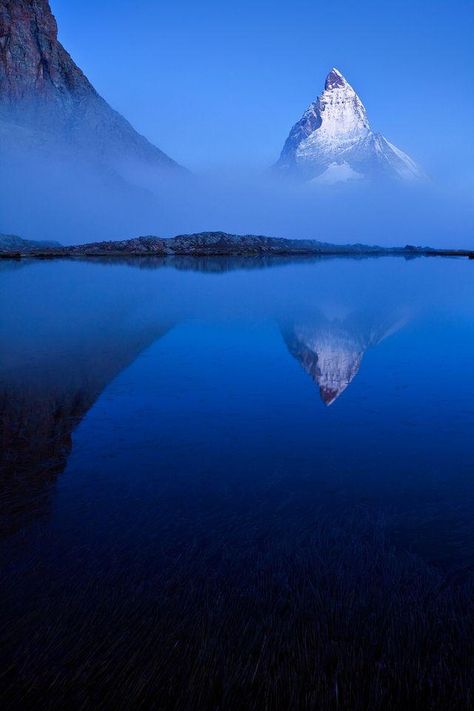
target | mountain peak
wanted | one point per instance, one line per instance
(333, 141)
(334, 79)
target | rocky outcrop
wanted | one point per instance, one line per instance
(219, 244)
(211, 243)
(225, 244)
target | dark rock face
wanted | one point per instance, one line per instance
(34, 64)
(45, 98)
(333, 80)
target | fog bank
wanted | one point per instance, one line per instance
(72, 202)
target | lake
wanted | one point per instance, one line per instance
(237, 483)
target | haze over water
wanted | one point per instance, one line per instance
(237, 483)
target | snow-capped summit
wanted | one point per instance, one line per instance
(333, 141)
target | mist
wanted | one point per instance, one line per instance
(68, 199)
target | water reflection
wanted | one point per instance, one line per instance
(209, 264)
(218, 538)
(63, 347)
(331, 350)
(46, 388)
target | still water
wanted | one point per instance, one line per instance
(237, 483)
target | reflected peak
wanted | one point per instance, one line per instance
(331, 351)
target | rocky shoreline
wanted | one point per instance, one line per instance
(212, 244)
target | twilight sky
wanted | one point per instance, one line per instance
(218, 84)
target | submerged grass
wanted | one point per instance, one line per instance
(282, 608)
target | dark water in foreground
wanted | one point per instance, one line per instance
(233, 484)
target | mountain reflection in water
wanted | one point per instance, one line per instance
(185, 525)
(44, 394)
(331, 350)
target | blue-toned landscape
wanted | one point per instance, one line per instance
(236, 355)
(237, 486)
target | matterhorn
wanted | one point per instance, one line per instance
(333, 142)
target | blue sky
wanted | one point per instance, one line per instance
(219, 84)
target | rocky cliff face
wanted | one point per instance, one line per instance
(333, 141)
(34, 65)
(47, 102)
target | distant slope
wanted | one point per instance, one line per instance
(13, 243)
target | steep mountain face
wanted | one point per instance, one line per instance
(47, 103)
(333, 141)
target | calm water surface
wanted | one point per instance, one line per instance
(237, 484)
